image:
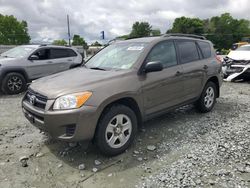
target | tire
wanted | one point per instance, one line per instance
(111, 137)
(14, 83)
(207, 99)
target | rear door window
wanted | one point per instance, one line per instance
(56, 53)
(163, 52)
(71, 53)
(188, 51)
(205, 49)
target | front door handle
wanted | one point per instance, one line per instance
(205, 67)
(49, 61)
(70, 60)
(178, 73)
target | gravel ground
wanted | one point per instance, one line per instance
(180, 149)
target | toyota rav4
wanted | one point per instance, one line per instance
(123, 85)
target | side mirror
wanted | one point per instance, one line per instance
(153, 66)
(33, 57)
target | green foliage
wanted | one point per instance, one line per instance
(156, 32)
(59, 42)
(96, 43)
(187, 26)
(79, 41)
(222, 30)
(224, 51)
(140, 29)
(12, 31)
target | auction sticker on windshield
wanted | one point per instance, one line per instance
(136, 48)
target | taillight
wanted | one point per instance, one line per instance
(219, 59)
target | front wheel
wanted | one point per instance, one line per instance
(14, 83)
(207, 99)
(116, 130)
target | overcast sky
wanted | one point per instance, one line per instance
(47, 18)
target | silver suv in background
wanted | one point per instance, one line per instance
(23, 64)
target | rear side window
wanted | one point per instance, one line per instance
(71, 53)
(163, 52)
(205, 49)
(188, 51)
(58, 53)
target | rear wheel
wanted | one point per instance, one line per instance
(14, 83)
(207, 99)
(116, 130)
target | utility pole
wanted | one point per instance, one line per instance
(68, 29)
(102, 35)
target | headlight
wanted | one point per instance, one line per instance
(71, 101)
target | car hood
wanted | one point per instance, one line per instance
(7, 60)
(239, 55)
(73, 81)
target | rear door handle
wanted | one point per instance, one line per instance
(178, 73)
(69, 60)
(49, 61)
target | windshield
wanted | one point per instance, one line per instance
(17, 52)
(243, 48)
(117, 56)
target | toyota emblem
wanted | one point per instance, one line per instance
(32, 99)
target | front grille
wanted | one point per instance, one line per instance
(235, 69)
(34, 115)
(36, 99)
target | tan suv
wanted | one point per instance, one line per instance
(123, 85)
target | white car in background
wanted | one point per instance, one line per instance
(236, 64)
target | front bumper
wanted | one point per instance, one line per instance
(68, 125)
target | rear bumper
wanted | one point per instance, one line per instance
(68, 125)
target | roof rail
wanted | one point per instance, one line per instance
(184, 35)
(115, 40)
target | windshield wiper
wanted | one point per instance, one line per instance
(97, 68)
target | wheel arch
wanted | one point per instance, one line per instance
(126, 101)
(215, 80)
(15, 70)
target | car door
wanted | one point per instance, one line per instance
(60, 59)
(163, 89)
(41, 66)
(193, 68)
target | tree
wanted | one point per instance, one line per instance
(79, 41)
(224, 30)
(187, 26)
(96, 43)
(12, 31)
(60, 42)
(140, 29)
(156, 32)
